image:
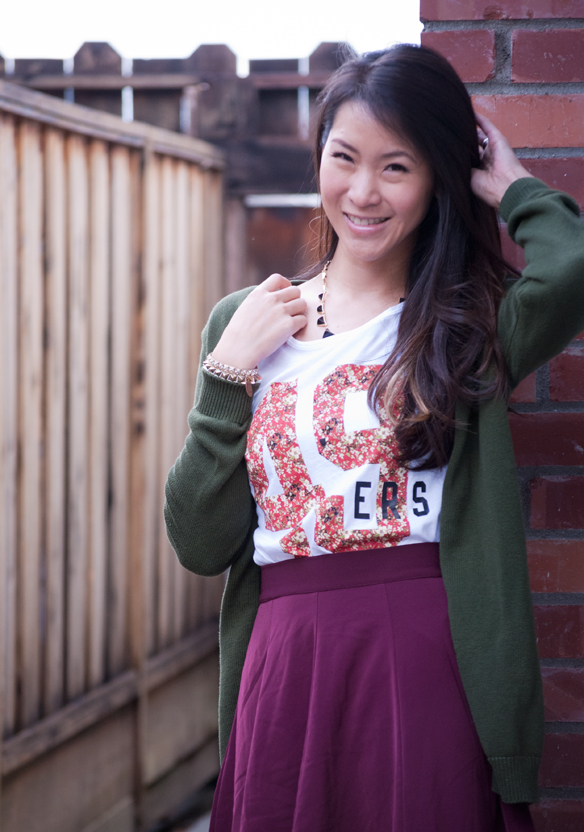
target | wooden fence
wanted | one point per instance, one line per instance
(110, 259)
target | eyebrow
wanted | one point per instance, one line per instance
(383, 155)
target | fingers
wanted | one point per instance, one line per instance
(288, 294)
(498, 143)
(295, 307)
(282, 291)
(268, 316)
(299, 322)
(486, 125)
(275, 282)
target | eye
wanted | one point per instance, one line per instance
(396, 167)
(340, 155)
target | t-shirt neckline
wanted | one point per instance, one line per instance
(320, 343)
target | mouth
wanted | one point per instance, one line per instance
(366, 221)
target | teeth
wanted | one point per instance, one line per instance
(365, 220)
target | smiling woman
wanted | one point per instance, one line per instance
(375, 191)
(379, 669)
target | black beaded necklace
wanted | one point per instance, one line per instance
(321, 320)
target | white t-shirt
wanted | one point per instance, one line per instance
(322, 464)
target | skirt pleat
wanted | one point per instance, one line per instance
(351, 714)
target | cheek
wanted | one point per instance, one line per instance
(416, 205)
(330, 196)
(329, 184)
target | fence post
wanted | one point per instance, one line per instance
(98, 59)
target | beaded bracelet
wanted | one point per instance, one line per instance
(229, 373)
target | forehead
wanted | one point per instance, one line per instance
(355, 124)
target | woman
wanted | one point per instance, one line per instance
(390, 683)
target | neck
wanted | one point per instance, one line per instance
(383, 279)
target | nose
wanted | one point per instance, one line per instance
(364, 190)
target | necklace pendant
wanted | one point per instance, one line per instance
(320, 309)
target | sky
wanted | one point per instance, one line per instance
(174, 28)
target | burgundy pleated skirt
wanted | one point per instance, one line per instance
(351, 714)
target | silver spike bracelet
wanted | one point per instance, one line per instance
(229, 373)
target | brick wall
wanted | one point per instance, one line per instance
(523, 63)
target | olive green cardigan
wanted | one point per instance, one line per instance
(211, 517)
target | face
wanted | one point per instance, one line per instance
(375, 188)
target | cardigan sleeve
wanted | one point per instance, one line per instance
(544, 309)
(209, 510)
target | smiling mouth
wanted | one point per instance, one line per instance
(366, 220)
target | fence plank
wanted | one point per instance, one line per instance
(152, 497)
(167, 390)
(30, 418)
(198, 319)
(8, 421)
(138, 601)
(214, 283)
(182, 393)
(99, 294)
(121, 311)
(56, 398)
(213, 196)
(78, 416)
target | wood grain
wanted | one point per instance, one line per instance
(196, 596)
(214, 283)
(182, 393)
(56, 415)
(166, 556)
(214, 278)
(84, 122)
(99, 396)
(152, 434)
(138, 600)
(8, 421)
(30, 417)
(105, 253)
(78, 416)
(121, 327)
(95, 705)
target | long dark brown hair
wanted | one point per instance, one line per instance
(447, 347)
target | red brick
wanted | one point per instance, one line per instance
(525, 390)
(499, 9)
(567, 376)
(556, 565)
(553, 56)
(548, 438)
(471, 53)
(563, 693)
(563, 761)
(558, 815)
(560, 630)
(557, 503)
(563, 174)
(536, 120)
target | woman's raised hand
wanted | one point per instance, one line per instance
(501, 167)
(265, 320)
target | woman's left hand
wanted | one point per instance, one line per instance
(501, 167)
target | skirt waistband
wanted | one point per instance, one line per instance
(344, 570)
